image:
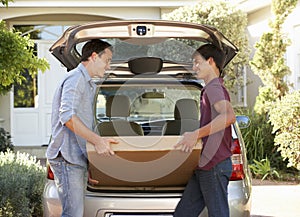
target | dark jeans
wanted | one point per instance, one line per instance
(206, 188)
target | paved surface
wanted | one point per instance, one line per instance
(276, 201)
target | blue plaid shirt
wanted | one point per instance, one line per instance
(74, 96)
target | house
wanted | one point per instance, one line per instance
(30, 126)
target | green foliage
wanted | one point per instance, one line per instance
(262, 169)
(169, 50)
(228, 20)
(285, 118)
(22, 179)
(269, 59)
(25, 93)
(258, 137)
(5, 141)
(16, 56)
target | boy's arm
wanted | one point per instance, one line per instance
(225, 118)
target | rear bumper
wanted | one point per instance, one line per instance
(239, 198)
(107, 204)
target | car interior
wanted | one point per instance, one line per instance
(149, 110)
(146, 104)
(118, 110)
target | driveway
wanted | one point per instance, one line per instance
(276, 200)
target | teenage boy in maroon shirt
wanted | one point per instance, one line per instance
(208, 185)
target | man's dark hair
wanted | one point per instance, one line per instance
(94, 45)
(210, 50)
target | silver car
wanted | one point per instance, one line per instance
(146, 101)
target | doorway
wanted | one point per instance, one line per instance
(31, 123)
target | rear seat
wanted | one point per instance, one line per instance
(186, 115)
(118, 110)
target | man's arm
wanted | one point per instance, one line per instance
(225, 118)
(102, 145)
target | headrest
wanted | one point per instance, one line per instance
(186, 109)
(145, 65)
(118, 106)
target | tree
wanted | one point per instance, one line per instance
(17, 57)
(274, 101)
(228, 20)
(269, 61)
(285, 118)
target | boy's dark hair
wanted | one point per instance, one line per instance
(95, 45)
(210, 50)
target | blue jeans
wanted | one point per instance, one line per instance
(206, 188)
(71, 181)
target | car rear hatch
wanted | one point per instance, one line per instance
(138, 32)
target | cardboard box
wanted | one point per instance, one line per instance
(143, 162)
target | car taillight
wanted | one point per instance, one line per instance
(50, 174)
(237, 161)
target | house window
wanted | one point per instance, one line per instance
(25, 94)
(42, 32)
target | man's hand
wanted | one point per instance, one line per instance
(188, 141)
(102, 146)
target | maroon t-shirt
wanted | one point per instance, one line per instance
(216, 147)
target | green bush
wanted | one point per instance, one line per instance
(258, 138)
(5, 142)
(22, 180)
(285, 118)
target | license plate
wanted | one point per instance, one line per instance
(132, 215)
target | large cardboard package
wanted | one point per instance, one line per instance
(143, 162)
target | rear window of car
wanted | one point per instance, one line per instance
(148, 103)
(171, 49)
